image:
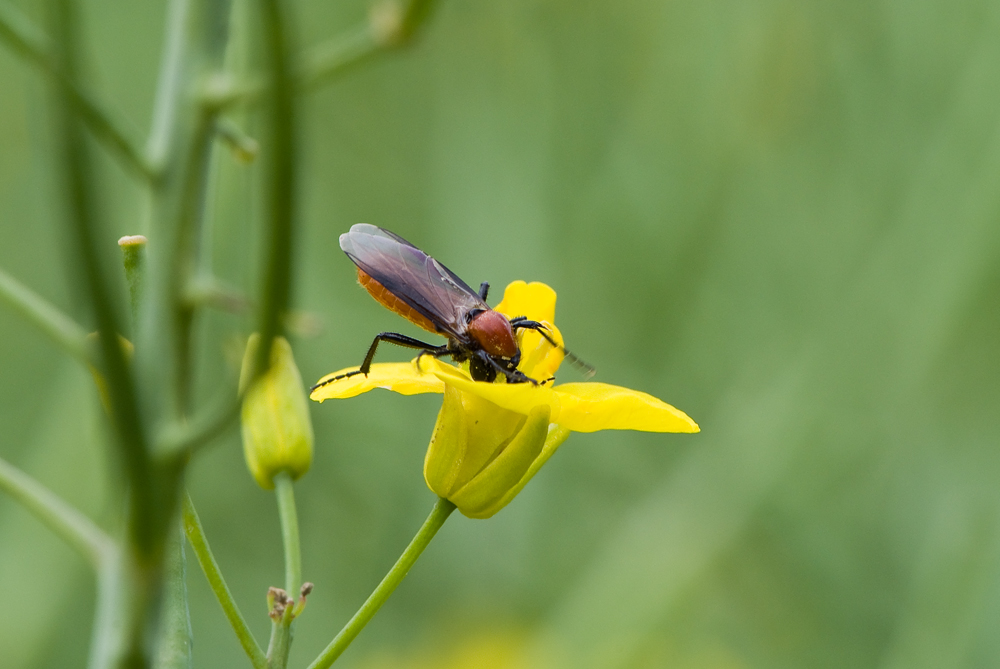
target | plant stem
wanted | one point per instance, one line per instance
(327, 61)
(202, 551)
(276, 277)
(173, 648)
(180, 438)
(442, 509)
(30, 43)
(134, 260)
(284, 490)
(66, 522)
(333, 57)
(59, 327)
(81, 228)
(281, 632)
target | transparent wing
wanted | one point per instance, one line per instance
(413, 276)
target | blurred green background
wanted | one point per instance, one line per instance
(781, 217)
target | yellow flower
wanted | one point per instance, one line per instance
(491, 438)
(277, 431)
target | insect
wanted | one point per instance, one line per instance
(409, 282)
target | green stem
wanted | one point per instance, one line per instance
(59, 327)
(33, 45)
(66, 522)
(277, 275)
(284, 490)
(134, 259)
(281, 632)
(173, 648)
(327, 61)
(334, 57)
(169, 86)
(181, 438)
(82, 233)
(202, 551)
(187, 234)
(244, 147)
(442, 509)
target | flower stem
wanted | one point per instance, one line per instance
(442, 509)
(82, 233)
(69, 524)
(277, 271)
(59, 327)
(284, 491)
(202, 551)
(175, 639)
(133, 249)
(326, 61)
(281, 632)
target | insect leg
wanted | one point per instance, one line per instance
(392, 338)
(514, 376)
(484, 289)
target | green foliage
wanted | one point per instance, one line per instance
(781, 217)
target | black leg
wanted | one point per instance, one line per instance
(484, 290)
(523, 322)
(515, 376)
(434, 353)
(392, 338)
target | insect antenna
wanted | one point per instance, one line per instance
(585, 368)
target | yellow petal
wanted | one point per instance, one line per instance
(496, 479)
(490, 430)
(399, 377)
(518, 397)
(539, 358)
(588, 407)
(556, 436)
(534, 300)
(446, 452)
(581, 407)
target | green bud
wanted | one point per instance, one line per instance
(277, 431)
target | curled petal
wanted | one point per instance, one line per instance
(446, 452)
(399, 377)
(553, 440)
(588, 407)
(490, 485)
(534, 300)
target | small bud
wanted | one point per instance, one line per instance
(277, 431)
(272, 595)
(300, 605)
(277, 603)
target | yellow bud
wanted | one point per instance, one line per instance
(277, 431)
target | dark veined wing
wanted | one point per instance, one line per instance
(417, 279)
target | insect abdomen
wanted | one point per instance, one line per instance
(393, 303)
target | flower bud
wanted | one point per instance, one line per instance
(277, 431)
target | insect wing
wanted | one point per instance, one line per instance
(413, 276)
